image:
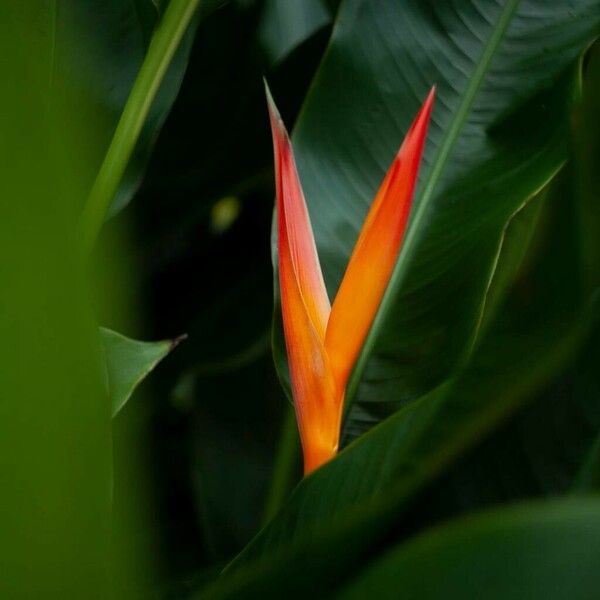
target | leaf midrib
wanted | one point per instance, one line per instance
(437, 168)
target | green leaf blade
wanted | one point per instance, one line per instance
(367, 487)
(527, 551)
(499, 132)
(128, 362)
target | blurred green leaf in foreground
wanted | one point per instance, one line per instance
(54, 413)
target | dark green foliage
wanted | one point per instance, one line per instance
(471, 452)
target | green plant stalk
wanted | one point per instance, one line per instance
(164, 44)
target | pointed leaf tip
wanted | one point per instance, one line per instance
(129, 361)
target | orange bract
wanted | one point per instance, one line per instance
(323, 343)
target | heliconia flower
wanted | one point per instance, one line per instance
(323, 342)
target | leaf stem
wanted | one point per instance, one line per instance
(164, 43)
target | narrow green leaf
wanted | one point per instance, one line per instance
(164, 44)
(128, 362)
(93, 51)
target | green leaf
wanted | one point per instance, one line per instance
(408, 450)
(506, 75)
(55, 443)
(95, 50)
(588, 478)
(516, 241)
(341, 514)
(545, 450)
(542, 451)
(343, 511)
(285, 25)
(537, 551)
(539, 331)
(128, 362)
(161, 105)
(164, 45)
(553, 445)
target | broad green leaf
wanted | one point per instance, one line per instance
(128, 362)
(553, 445)
(545, 450)
(55, 443)
(342, 511)
(506, 74)
(284, 25)
(413, 446)
(539, 551)
(515, 243)
(549, 447)
(528, 346)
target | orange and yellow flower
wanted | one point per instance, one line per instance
(324, 341)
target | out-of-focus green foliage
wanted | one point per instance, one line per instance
(162, 56)
(54, 412)
(61, 534)
(97, 51)
(537, 551)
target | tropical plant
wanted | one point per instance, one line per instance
(448, 400)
